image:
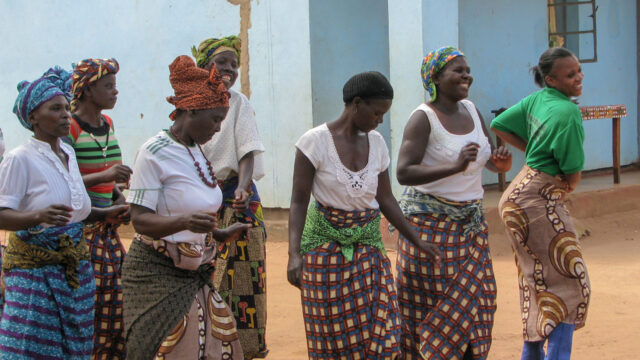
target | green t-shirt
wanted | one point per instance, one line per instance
(551, 124)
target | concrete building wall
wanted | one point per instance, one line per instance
(347, 37)
(145, 36)
(299, 55)
(504, 38)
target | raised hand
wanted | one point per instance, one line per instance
(119, 173)
(501, 159)
(468, 153)
(200, 222)
(117, 214)
(241, 200)
(56, 215)
(233, 232)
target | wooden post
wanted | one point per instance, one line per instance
(616, 149)
(502, 177)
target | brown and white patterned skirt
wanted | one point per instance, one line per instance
(552, 275)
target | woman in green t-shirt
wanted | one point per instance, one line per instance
(554, 285)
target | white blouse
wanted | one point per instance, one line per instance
(165, 180)
(32, 177)
(444, 147)
(334, 184)
(237, 137)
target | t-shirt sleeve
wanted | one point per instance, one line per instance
(383, 151)
(13, 182)
(567, 148)
(310, 146)
(513, 120)
(146, 181)
(247, 137)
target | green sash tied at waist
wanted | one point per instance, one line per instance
(22, 255)
(318, 231)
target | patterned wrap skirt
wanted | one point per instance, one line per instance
(44, 317)
(349, 307)
(240, 276)
(107, 254)
(172, 313)
(446, 309)
(552, 275)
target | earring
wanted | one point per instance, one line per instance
(356, 110)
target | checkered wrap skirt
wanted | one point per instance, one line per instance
(349, 308)
(107, 254)
(444, 310)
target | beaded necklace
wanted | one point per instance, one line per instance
(88, 129)
(197, 164)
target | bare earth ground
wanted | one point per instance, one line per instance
(610, 251)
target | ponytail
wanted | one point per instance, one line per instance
(545, 64)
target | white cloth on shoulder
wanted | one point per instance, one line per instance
(237, 137)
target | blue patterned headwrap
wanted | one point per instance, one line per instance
(432, 63)
(55, 81)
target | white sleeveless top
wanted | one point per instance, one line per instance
(444, 148)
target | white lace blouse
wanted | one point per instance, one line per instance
(32, 177)
(335, 185)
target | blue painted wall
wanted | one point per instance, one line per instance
(503, 40)
(347, 37)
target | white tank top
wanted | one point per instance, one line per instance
(444, 148)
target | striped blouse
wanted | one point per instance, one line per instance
(96, 150)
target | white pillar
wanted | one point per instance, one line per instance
(405, 54)
(415, 26)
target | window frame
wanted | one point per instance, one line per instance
(553, 4)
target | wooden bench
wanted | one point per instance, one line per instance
(613, 112)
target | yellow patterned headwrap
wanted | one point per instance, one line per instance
(211, 47)
(88, 71)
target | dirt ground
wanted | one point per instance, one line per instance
(611, 252)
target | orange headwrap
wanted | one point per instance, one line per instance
(195, 88)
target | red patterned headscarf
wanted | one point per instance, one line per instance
(88, 71)
(195, 88)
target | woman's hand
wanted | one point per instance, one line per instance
(501, 159)
(231, 233)
(432, 251)
(468, 153)
(117, 214)
(200, 222)
(294, 269)
(119, 173)
(56, 215)
(241, 200)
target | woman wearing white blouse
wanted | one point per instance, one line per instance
(336, 255)
(48, 278)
